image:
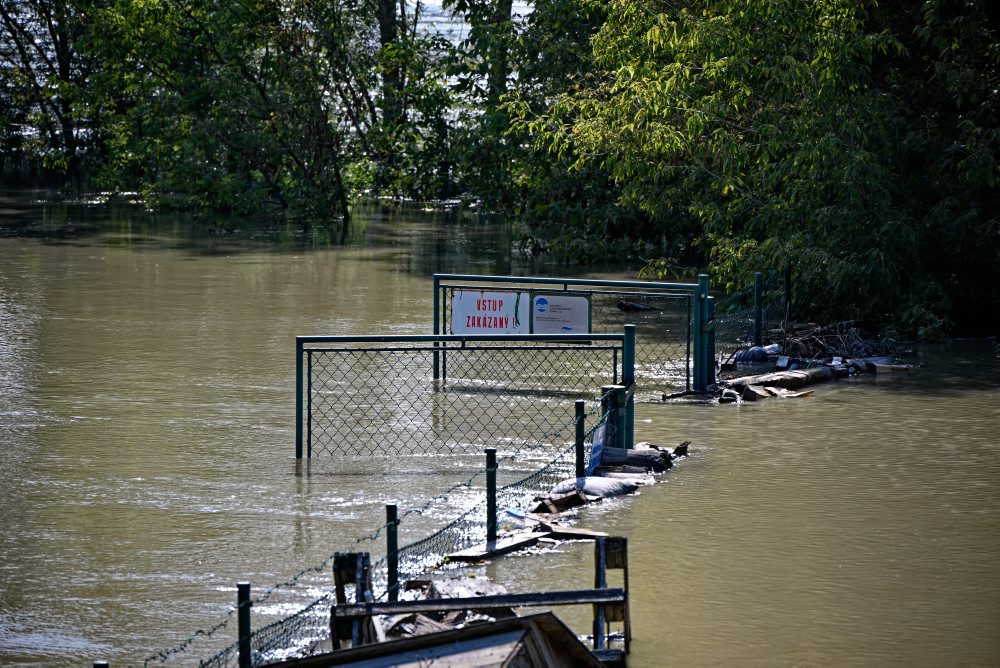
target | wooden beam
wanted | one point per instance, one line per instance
(496, 548)
(571, 597)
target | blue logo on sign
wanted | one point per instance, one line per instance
(542, 305)
(566, 328)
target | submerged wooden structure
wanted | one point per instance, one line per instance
(540, 640)
(489, 632)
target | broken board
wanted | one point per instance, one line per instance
(496, 548)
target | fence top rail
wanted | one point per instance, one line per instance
(632, 294)
(536, 280)
(464, 338)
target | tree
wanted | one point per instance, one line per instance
(775, 127)
(42, 71)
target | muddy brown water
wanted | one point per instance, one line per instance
(147, 460)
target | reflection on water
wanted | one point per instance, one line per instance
(146, 448)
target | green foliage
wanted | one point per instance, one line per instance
(856, 141)
(781, 129)
(42, 73)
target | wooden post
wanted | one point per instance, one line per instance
(600, 582)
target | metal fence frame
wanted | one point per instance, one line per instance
(622, 346)
(700, 356)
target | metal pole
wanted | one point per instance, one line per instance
(437, 324)
(758, 308)
(243, 604)
(628, 380)
(710, 342)
(687, 354)
(298, 398)
(309, 406)
(696, 305)
(491, 495)
(788, 289)
(620, 410)
(581, 408)
(392, 550)
(608, 408)
(701, 347)
(600, 582)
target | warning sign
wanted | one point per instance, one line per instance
(479, 312)
(560, 314)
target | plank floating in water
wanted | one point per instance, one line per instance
(496, 548)
(570, 533)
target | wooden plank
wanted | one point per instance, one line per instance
(570, 533)
(570, 597)
(754, 392)
(496, 548)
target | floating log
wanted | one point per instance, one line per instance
(790, 380)
(754, 392)
(656, 460)
(633, 307)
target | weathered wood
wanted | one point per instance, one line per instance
(571, 597)
(570, 533)
(754, 392)
(496, 548)
(790, 380)
(657, 460)
(557, 503)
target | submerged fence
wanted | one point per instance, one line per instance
(307, 630)
(671, 318)
(376, 397)
(743, 319)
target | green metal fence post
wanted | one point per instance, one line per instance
(581, 408)
(392, 550)
(700, 345)
(437, 324)
(298, 398)
(243, 604)
(758, 308)
(621, 409)
(309, 406)
(608, 408)
(491, 495)
(628, 380)
(613, 404)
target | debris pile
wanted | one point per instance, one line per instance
(806, 356)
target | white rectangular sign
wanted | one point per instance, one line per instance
(481, 312)
(560, 314)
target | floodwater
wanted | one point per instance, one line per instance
(147, 460)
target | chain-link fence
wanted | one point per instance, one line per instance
(369, 401)
(743, 320)
(662, 313)
(307, 630)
